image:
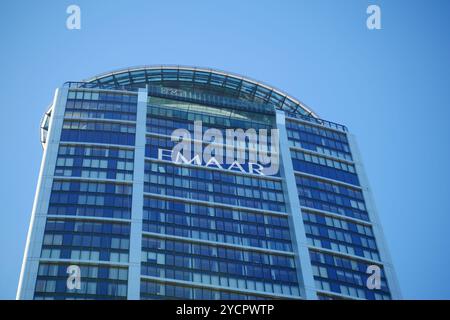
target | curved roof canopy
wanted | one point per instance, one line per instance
(208, 81)
(202, 80)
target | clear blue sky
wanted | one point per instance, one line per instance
(391, 87)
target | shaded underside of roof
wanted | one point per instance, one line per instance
(208, 81)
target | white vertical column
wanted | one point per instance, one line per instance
(134, 271)
(375, 220)
(30, 264)
(297, 228)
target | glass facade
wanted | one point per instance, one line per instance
(138, 226)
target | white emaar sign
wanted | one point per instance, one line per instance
(178, 158)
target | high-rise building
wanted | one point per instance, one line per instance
(133, 224)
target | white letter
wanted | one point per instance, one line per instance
(74, 279)
(252, 169)
(198, 141)
(215, 147)
(241, 145)
(180, 159)
(183, 147)
(373, 281)
(236, 164)
(214, 162)
(164, 154)
(274, 158)
(374, 20)
(74, 20)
